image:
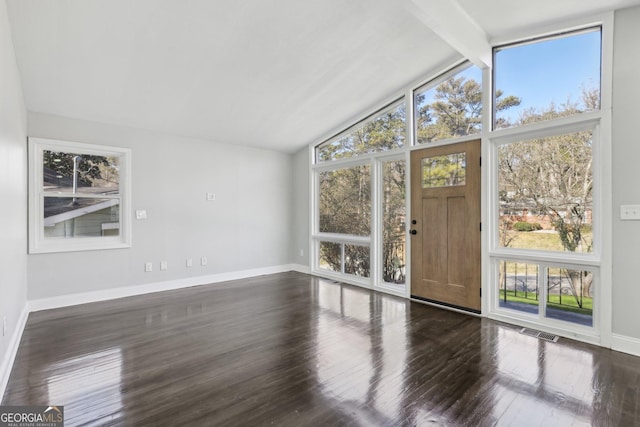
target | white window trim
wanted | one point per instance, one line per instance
(374, 161)
(600, 260)
(377, 246)
(602, 169)
(37, 242)
(358, 125)
(526, 134)
(584, 333)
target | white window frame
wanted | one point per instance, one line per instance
(373, 241)
(342, 239)
(359, 125)
(544, 259)
(433, 83)
(377, 247)
(37, 241)
(599, 261)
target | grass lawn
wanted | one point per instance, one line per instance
(543, 241)
(568, 301)
(536, 240)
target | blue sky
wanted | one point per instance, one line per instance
(553, 70)
(549, 71)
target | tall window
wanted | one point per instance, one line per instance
(78, 196)
(545, 195)
(393, 221)
(345, 209)
(348, 223)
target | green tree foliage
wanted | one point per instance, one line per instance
(455, 111)
(385, 132)
(92, 171)
(554, 177)
(441, 171)
(345, 196)
(345, 201)
(394, 217)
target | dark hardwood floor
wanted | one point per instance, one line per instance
(291, 349)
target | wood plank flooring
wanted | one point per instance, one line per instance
(291, 349)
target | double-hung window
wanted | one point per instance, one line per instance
(78, 196)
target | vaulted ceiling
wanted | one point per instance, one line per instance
(276, 74)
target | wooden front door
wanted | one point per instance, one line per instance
(445, 225)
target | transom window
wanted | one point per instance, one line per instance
(551, 77)
(383, 131)
(450, 106)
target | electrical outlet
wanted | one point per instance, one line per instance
(301, 252)
(211, 197)
(203, 261)
(148, 266)
(163, 265)
(189, 262)
(629, 212)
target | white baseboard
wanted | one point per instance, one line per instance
(301, 268)
(625, 344)
(12, 350)
(113, 293)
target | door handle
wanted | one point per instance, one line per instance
(413, 232)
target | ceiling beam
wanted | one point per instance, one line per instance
(452, 23)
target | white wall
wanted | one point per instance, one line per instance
(247, 227)
(13, 199)
(300, 209)
(261, 214)
(626, 185)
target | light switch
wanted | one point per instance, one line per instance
(211, 196)
(141, 214)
